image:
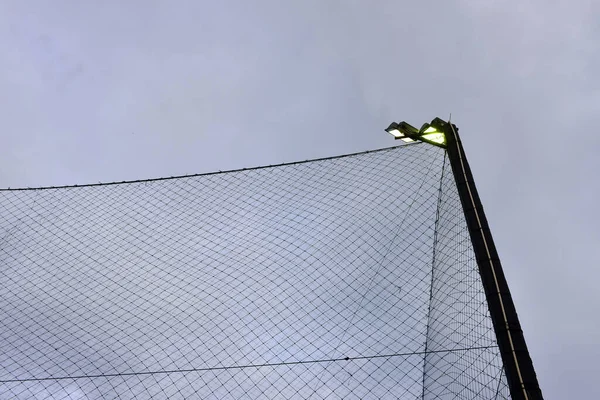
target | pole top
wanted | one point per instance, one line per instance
(433, 133)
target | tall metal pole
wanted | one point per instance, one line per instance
(522, 380)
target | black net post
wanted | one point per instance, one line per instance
(520, 373)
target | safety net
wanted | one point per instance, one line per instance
(349, 277)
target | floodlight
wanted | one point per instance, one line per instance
(403, 131)
(394, 131)
(431, 133)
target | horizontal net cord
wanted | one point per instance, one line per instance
(280, 364)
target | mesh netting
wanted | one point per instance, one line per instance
(343, 278)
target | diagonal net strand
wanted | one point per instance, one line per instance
(350, 277)
(377, 268)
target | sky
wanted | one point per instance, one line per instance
(113, 90)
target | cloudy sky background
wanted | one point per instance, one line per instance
(116, 90)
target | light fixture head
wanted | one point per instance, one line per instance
(394, 131)
(403, 131)
(433, 134)
(427, 128)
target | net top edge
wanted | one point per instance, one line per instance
(9, 189)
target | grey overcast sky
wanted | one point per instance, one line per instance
(116, 90)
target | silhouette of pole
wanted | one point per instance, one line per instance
(522, 380)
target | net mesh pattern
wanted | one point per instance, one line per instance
(344, 278)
